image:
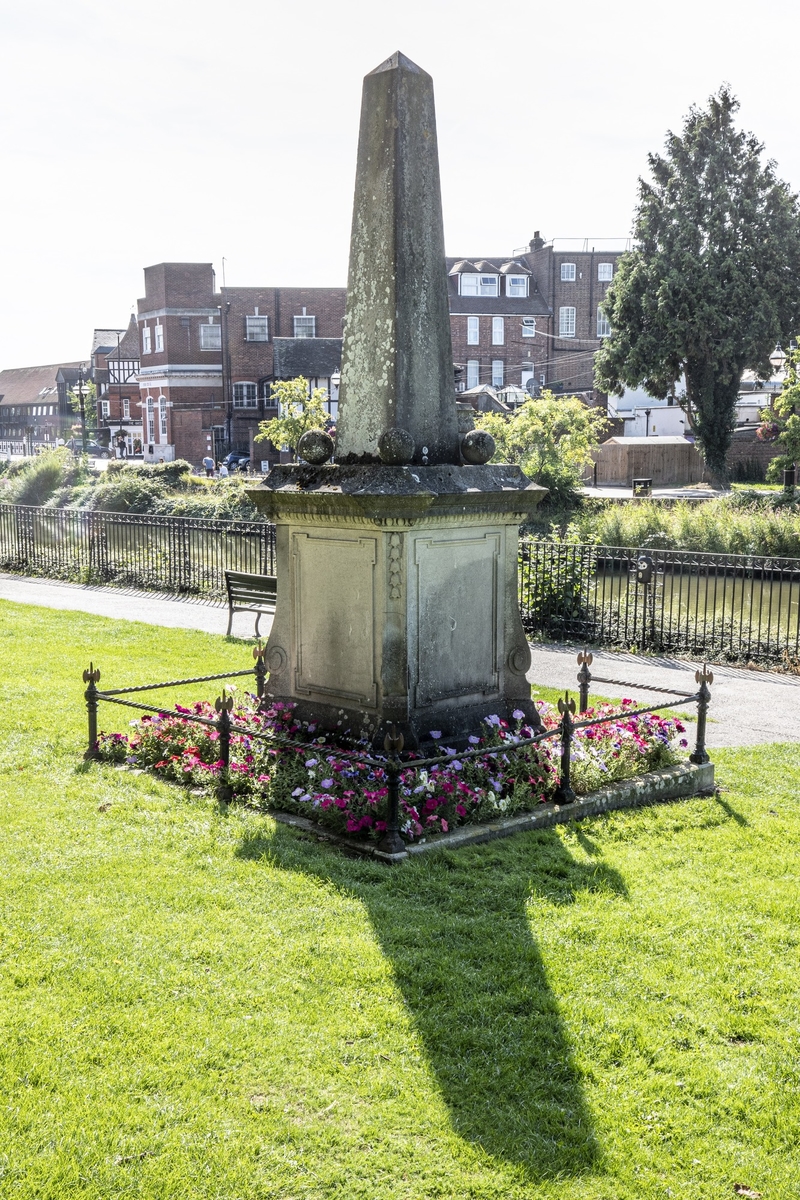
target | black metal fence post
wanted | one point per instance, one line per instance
(585, 660)
(91, 677)
(224, 706)
(260, 655)
(564, 793)
(704, 678)
(391, 842)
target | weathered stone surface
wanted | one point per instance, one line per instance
(316, 446)
(397, 362)
(396, 447)
(397, 583)
(477, 446)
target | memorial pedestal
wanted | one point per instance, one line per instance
(397, 596)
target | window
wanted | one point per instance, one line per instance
(568, 272)
(159, 338)
(473, 371)
(566, 322)
(162, 411)
(473, 331)
(605, 272)
(603, 324)
(497, 372)
(210, 337)
(105, 409)
(498, 331)
(245, 395)
(145, 339)
(151, 423)
(529, 326)
(126, 407)
(305, 327)
(257, 329)
(516, 285)
(479, 285)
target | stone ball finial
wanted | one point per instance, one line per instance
(477, 446)
(396, 447)
(316, 446)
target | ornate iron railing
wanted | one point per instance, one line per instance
(715, 606)
(183, 555)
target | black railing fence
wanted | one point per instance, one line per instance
(391, 846)
(715, 606)
(186, 555)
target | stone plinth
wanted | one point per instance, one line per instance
(397, 595)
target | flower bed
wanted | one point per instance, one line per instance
(322, 778)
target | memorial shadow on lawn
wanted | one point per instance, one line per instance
(456, 929)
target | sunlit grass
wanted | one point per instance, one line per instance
(198, 1003)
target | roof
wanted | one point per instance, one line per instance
(129, 344)
(483, 398)
(312, 357)
(30, 385)
(533, 305)
(105, 340)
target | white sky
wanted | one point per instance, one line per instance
(170, 130)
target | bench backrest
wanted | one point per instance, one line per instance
(250, 588)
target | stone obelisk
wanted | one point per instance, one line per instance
(397, 361)
(397, 561)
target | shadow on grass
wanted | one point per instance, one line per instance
(731, 811)
(456, 929)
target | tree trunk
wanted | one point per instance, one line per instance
(714, 396)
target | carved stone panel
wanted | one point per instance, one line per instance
(458, 609)
(334, 615)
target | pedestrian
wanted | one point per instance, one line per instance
(223, 471)
(208, 463)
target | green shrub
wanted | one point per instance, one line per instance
(777, 466)
(34, 480)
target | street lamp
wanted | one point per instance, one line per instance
(82, 391)
(777, 359)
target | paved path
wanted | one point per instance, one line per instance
(747, 707)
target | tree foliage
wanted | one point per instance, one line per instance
(781, 420)
(298, 411)
(714, 278)
(551, 438)
(89, 401)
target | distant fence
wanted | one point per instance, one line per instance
(185, 555)
(717, 606)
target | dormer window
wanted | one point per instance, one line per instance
(517, 286)
(479, 285)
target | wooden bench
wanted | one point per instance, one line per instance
(250, 593)
(642, 487)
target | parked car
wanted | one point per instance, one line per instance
(93, 449)
(242, 464)
(232, 460)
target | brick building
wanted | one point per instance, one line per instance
(119, 411)
(34, 410)
(208, 357)
(532, 319)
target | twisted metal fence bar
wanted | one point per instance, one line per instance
(182, 555)
(715, 606)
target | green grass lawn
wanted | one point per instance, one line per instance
(198, 1003)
